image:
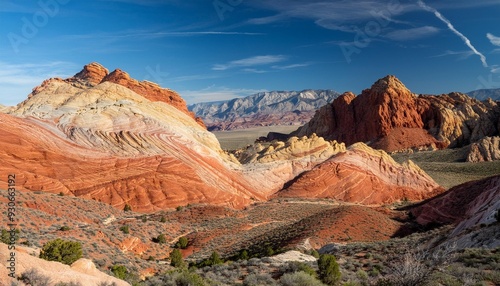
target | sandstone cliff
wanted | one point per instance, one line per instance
(390, 117)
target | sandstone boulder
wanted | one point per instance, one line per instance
(486, 149)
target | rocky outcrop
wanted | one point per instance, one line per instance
(466, 205)
(94, 74)
(390, 117)
(263, 109)
(363, 175)
(291, 149)
(457, 119)
(81, 270)
(486, 149)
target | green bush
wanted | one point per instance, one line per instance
(182, 243)
(163, 219)
(243, 255)
(60, 250)
(6, 236)
(119, 271)
(296, 266)
(125, 229)
(64, 228)
(127, 208)
(161, 239)
(176, 258)
(329, 271)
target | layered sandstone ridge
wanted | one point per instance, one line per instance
(109, 143)
(486, 149)
(467, 205)
(363, 175)
(314, 147)
(390, 117)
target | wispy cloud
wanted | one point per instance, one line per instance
(412, 34)
(250, 62)
(150, 35)
(452, 28)
(292, 66)
(216, 93)
(493, 39)
(333, 15)
(462, 55)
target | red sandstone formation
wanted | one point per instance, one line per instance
(473, 202)
(363, 175)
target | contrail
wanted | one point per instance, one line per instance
(450, 26)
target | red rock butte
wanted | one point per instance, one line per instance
(388, 116)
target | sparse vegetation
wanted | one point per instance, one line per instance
(182, 243)
(125, 229)
(176, 259)
(8, 237)
(62, 251)
(119, 271)
(127, 208)
(329, 271)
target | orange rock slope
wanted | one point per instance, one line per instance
(390, 117)
(108, 143)
(363, 175)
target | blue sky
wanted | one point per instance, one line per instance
(220, 49)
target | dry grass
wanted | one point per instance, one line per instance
(235, 139)
(448, 167)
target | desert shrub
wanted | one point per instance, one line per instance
(314, 253)
(176, 278)
(176, 258)
(212, 260)
(269, 251)
(182, 243)
(125, 229)
(264, 279)
(64, 228)
(127, 208)
(119, 271)
(161, 239)
(6, 236)
(60, 250)
(33, 277)
(163, 219)
(107, 284)
(72, 283)
(329, 271)
(243, 255)
(409, 270)
(299, 279)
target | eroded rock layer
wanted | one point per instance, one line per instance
(363, 175)
(390, 117)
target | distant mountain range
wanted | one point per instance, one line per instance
(483, 94)
(263, 109)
